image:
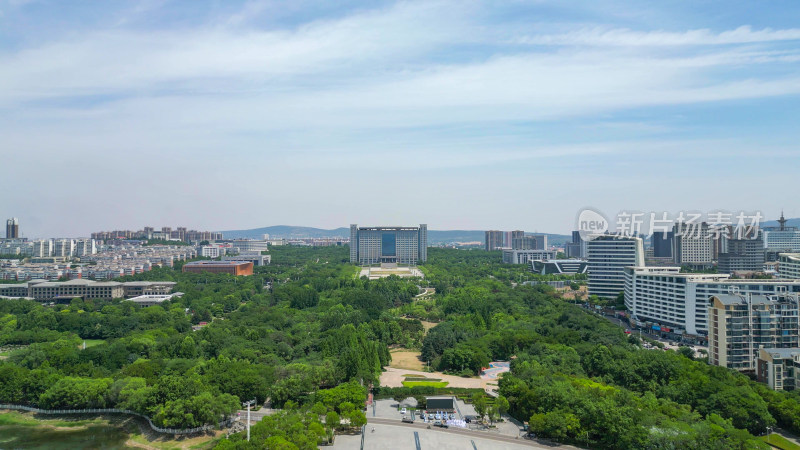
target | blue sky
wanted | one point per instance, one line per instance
(468, 115)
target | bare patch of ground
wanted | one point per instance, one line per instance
(568, 294)
(394, 378)
(406, 359)
(428, 325)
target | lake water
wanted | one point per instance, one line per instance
(90, 437)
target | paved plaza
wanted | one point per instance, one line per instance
(402, 437)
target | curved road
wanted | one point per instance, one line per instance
(469, 433)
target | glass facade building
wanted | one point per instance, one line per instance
(388, 245)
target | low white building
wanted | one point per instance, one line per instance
(213, 250)
(152, 300)
(663, 296)
(249, 245)
(789, 265)
(524, 256)
(255, 257)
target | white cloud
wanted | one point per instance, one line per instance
(603, 36)
(281, 113)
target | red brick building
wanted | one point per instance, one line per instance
(232, 267)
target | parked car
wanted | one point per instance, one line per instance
(403, 411)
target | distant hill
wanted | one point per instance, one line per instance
(287, 232)
(434, 236)
(789, 223)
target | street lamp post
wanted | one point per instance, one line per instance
(248, 404)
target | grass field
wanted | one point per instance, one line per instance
(435, 384)
(778, 441)
(92, 342)
(26, 420)
(406, 359)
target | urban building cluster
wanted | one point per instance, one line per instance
(514, 240)
(48, 248)
(110, 261)
(717, 290)
(165, 233)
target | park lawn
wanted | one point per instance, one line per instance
(778, 441)
(435, 384)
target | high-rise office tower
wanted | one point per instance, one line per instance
(12, 228)
(692, 244)
(577, 248)
(517, 237)
(608, 256)
(742, 255)
(494, 240)
(661, 241)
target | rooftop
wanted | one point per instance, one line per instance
(217, 263)
(732, 299)
(782, 353)
(79, 282)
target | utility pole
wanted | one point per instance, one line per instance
(248, 404)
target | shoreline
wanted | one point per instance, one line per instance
(138, 435)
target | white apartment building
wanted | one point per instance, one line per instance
(43, 247)
(213, 251)
(16, 247)
(789, 265)
(525, 256)
(741, 324)
(664, 296)
(692, 244)
(63, 248)
(85, 247)
(608, 256)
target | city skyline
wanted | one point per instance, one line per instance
(110, 116)
(342, 230)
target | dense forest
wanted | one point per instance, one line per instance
(307, 334)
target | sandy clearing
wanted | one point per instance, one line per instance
(406, 359)
(394, 378)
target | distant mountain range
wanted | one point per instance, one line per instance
(434, 236)
(789, 223)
